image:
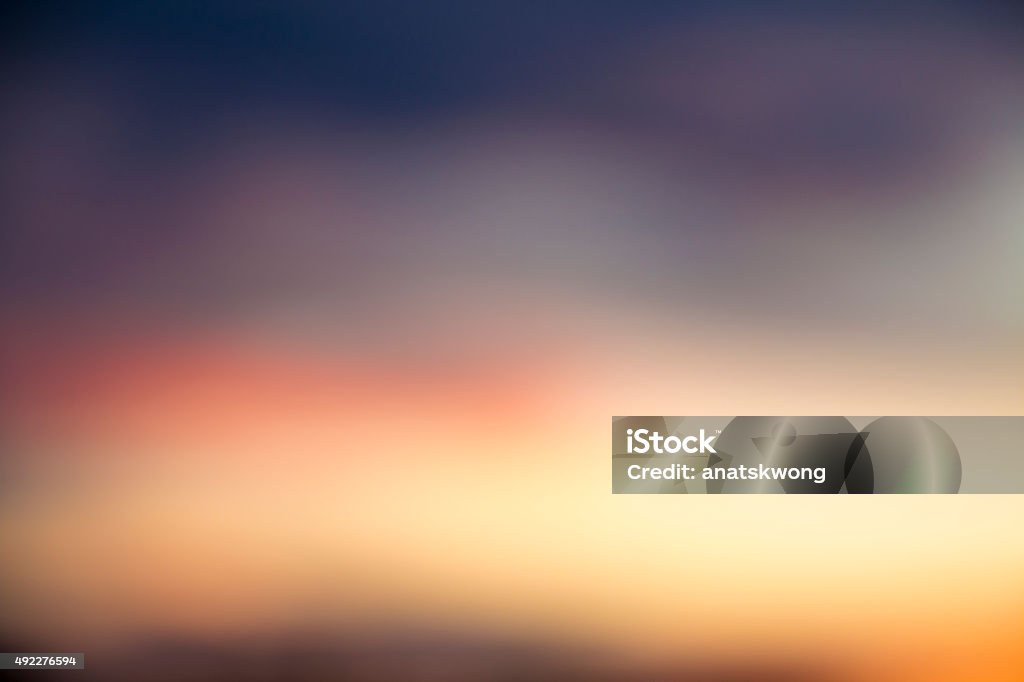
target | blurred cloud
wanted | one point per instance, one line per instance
(262, 263)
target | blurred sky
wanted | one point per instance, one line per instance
(313, 317)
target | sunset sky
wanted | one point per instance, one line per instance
(313, 319)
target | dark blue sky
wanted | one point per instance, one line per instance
(381, 59)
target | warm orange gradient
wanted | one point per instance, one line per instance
(219, 487)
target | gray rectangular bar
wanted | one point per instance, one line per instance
(37, 661)
(676, 455)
